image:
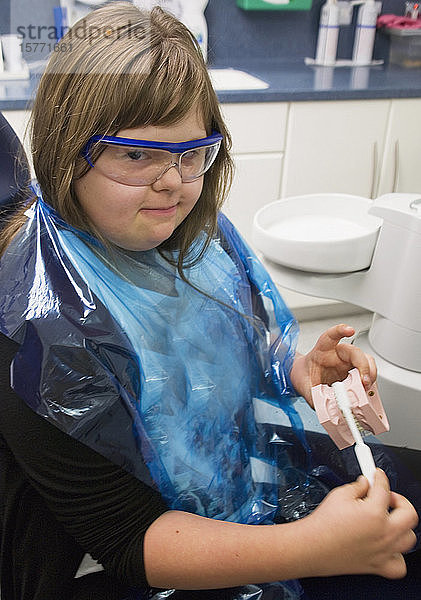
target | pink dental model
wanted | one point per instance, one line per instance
(366, 408)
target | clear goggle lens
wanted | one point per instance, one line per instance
(136, 165)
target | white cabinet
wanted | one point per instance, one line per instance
(257, 181)
(258, 134)
(362, 147)
(256, 126)
(334, 146)
(401, 170)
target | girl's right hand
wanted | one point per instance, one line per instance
(362, 529)
(354, 530)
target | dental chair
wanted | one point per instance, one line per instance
(14, 171)
(15, 179)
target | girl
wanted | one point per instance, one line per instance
(140, 334)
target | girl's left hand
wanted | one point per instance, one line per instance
(330, 361)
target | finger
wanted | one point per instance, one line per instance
(406, 542)
(360, 360)
(373, 368)
(369, 377)
(402, 511)
(395, 568)
(379, 492)
(332, 336)
(357, 489)
(361, 487)
(397, 500)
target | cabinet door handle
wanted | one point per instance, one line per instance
(396, 168)
(374, 172)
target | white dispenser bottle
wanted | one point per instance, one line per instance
(327, 40)
(190, 12)
(365, 32)
(193, 16)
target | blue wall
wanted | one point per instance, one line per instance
(240, 37)
(236, 37)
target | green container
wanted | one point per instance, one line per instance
(274, 4)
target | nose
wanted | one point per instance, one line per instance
(169, 178)
(170, 166)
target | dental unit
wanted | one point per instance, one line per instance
(379, 271)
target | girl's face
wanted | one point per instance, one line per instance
(141, 218)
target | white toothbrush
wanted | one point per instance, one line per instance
(362, 451)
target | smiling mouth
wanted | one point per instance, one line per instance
(167, 211)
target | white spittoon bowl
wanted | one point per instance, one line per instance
(320, 233)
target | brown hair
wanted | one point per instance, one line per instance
(120, 68)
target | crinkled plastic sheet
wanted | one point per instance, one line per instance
(290, 590)
(187, 390)
(110, 338)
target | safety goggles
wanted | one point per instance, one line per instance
(142, 162)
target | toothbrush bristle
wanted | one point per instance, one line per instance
(361, 429)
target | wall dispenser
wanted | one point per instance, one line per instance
(335, 13)
(327, 39)
(274, 4)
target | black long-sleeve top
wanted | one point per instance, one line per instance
(59, 500)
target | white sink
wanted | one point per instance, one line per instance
(233, 79)
(322, 233)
